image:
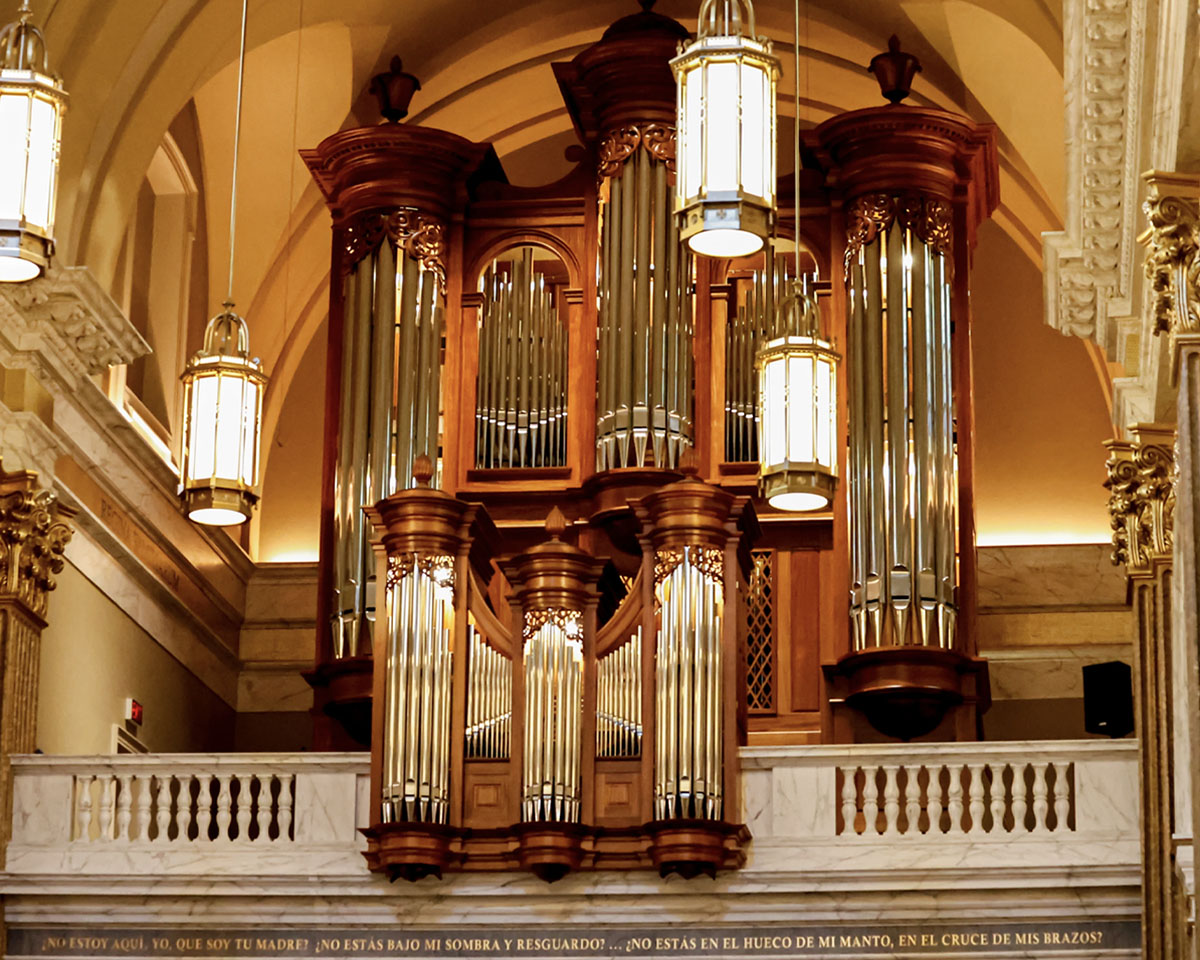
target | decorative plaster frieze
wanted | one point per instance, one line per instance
(77, 322)
(1141, 504)
(1091, 262)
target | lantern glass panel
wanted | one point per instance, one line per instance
(39, 181)
(692, 90)
(754, 123)
(14, 112)
(721, 127)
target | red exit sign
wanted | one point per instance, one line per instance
(133, 711)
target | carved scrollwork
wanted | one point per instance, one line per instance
(437, 567)
(930, 218)
(707, 560)
(416, 235)
(1141, 505)
(1172, 265)
(569, 621)
(34, 537)
(620, 144)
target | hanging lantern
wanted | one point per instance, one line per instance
(222, 402)
(725, 128)
(797, 409)
(32, 102)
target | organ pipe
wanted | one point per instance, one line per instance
(644, 390)
(521, 386)
(489, 700)
(688, 680)
(416, 757)
(393, 321)
(553, 658)
(903, 489)
(619, 700)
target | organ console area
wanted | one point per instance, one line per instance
(555, 600)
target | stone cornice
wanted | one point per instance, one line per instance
(1091, 262)
(1141, 485)
(77, 318)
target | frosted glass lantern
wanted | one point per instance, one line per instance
(797, 411)
(222, 402)
(32, 102)
(725, 130)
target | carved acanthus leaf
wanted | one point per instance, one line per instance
(1172, 263)
(1141, 504)
(34, 532)
(619, 145)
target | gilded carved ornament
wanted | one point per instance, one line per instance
(436, 567)
(619, 145)
(417, 236)
(1172, 264)
(929, 218)
(1141, 503)
(34, 536)
(708, 560)
(568, 621)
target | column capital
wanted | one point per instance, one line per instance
(1172, 262)
(34, 532)
(1141, 503)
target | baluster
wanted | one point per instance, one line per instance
(162, 813)
(997, 798)
(891, 799)
(124, 806)
(870, 801)
(1040, 806)
(1019, 794)
(83, 808)
(954, 803)
(105, 821)
(849, 798)
(1062, 795)
(286, 786)
(264, 808)
(143, 809)
(224, 798)
(936, 802)
(975, 797)
(243, 807)
(912, 801)
(204, 800)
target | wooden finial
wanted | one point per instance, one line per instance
(423, 470)
(647, 5)
(689, 463)
(895, 71)
(556, 523)
(394, 90)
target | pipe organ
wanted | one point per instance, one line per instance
(571, 693)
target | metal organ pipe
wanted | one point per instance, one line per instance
(619, 700)
(394, 303)
(644, 388)
(903, 495)
(520, 410)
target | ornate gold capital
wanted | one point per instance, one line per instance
(1173, 241)
(1141, 503)
(34, 532)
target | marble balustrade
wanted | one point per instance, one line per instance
(844, 808)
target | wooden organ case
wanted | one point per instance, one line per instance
(552, 600)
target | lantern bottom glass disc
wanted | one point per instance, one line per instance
(799, 502)
(16, 270)
(725, 243)
(217, 517)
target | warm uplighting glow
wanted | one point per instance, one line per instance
(222, 400)
(725, 133)
(32, 103)
(797, 415)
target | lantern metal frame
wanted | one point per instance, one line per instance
(712, 221)
(219, 500)
(26, 246)
(807, 484)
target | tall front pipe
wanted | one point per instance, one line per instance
(916, 183)
(426, 544)
(698, 537)
(554, 592)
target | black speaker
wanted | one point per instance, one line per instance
(1108, 698)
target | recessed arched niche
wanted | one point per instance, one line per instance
(521, 377)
